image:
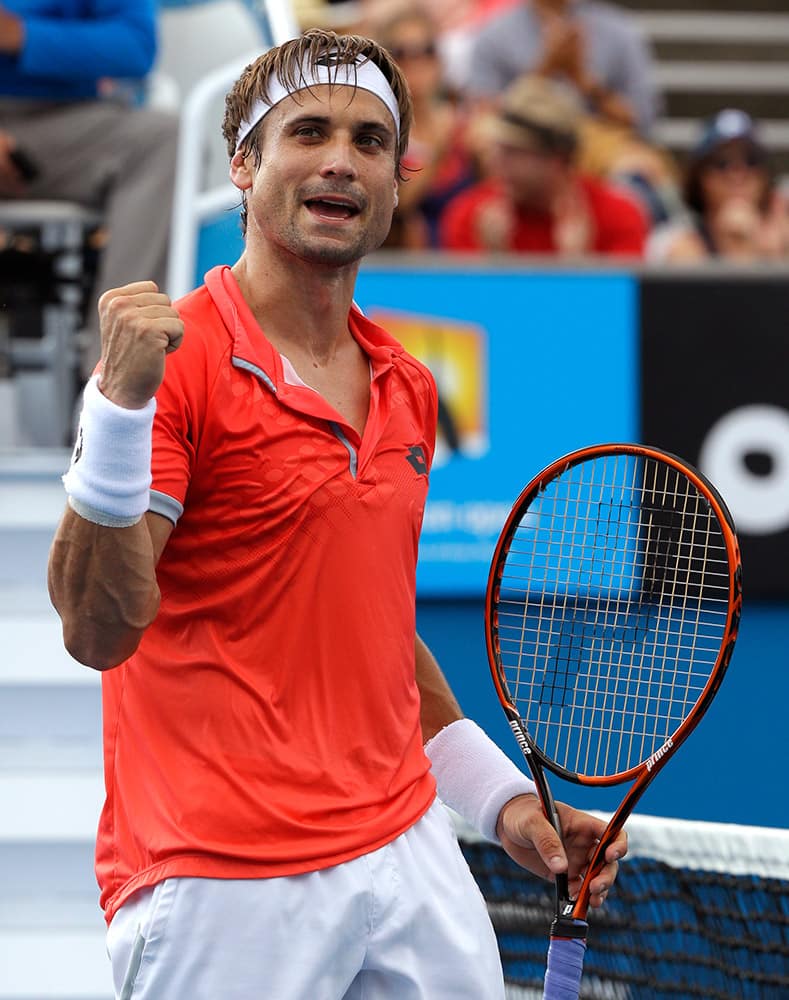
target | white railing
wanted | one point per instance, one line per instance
(193, 206)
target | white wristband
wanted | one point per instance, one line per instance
(474, 776)
(109, 479)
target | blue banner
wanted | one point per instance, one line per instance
(529, 365)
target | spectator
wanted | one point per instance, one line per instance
(57, 59)
(647, 171)
(591, 46)
(437, 163)
(736, 212)
(535, 200)
(459, 23)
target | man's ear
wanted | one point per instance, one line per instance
(396, 192)
(240, 174)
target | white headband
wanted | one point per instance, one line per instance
(363, 74)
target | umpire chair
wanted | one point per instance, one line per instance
(48, 253)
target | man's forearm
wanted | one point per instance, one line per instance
(439, 705)
(102, 582)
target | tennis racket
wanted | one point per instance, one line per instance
(611, 613)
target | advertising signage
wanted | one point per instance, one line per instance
(715, 389)
(528, 366)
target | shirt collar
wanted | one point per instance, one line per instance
(252, 347)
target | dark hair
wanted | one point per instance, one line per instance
(693, 191)
(286, 62)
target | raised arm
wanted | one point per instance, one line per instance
(102, 566)
(102, 581)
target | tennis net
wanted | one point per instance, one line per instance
(698, 910)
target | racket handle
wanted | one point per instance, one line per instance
(565, 960)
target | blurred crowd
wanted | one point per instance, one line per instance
(534, 132)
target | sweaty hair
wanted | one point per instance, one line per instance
(285, 62)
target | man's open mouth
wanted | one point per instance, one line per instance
(336, 209)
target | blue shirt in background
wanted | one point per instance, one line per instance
(72, 44)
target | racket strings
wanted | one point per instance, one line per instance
(613, 603)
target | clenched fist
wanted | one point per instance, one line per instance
(139, 328)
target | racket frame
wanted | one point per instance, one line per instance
(570, 911)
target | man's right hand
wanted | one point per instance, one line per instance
(139, 328)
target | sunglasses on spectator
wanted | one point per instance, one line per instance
(401, 52)
(751, 160)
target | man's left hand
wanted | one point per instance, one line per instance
(528, 838)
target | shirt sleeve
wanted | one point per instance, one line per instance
(117, 40)
(181, 406)
(173, 452)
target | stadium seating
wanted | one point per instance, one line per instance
(51, 928)
(719, 53)
(46, 269)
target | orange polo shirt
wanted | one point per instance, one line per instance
(268, 723)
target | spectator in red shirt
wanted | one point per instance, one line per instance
(534, 199)
(438, 163)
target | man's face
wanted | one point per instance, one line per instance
(325, 187)
(529, 176)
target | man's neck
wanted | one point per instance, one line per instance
(300, 306)
(303, 309)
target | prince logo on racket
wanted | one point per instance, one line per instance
(238, 557)
(659, 754)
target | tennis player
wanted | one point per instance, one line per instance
(238, 556)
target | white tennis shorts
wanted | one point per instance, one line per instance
(406, 922)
